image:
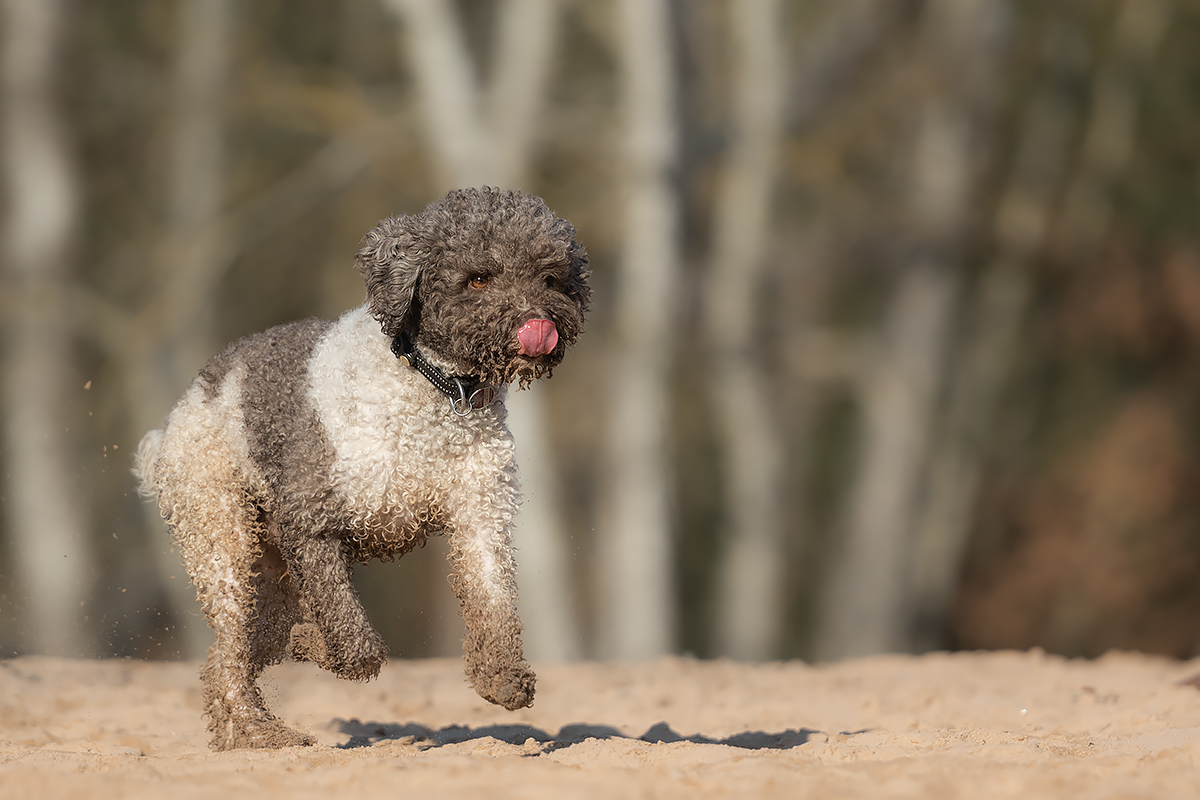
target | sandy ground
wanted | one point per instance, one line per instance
(962, 725)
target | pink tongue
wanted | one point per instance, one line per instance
(537, 337)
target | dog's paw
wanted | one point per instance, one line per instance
(265, 733)
(356, 658)
(512, 688)
(360, 666)
(359, 658)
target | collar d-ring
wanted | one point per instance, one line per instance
(466, 394)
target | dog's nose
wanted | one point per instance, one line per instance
(537, 337)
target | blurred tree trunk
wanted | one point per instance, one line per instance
(188, 261)
(46, 518)
(750, 599)
(637, 593)
(479, 134)
(1108, 137)
(983, 362)
(1024, 216)
(486, 137)
(865, 604)
(196, 178)
(855, 32)
(751, 591)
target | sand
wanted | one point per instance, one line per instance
(976, 725)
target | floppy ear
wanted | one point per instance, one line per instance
(390, 263)
(578, 286)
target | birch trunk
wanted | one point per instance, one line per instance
(191, 255)
(1024, 217)
(753, 568)
(485, 135)
(862, 609)
(865, 606)
(750, 592)
(45, 506)
(637, 597)
(1108, 139)
(196, 171)
(984, 361)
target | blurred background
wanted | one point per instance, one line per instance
(895, 342)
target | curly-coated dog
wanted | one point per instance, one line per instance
(302, 450)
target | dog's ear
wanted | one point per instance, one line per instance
(391, 264)
(578, 286)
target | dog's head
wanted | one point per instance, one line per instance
(490, 280)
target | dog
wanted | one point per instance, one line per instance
(315, 445)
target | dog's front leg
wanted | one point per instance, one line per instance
(484, 579)
(342, 639)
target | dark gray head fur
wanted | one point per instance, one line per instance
(464, 275)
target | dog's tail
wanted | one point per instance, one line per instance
(144, 461)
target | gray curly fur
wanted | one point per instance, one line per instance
(310, 447)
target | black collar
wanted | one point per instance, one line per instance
(466, 393)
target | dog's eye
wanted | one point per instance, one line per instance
(480, 281)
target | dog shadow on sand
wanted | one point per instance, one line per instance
(367, 734)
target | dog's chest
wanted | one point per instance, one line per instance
(401, 459)
(394, 458)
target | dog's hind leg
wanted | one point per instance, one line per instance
(239, 586)
(277, 607)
